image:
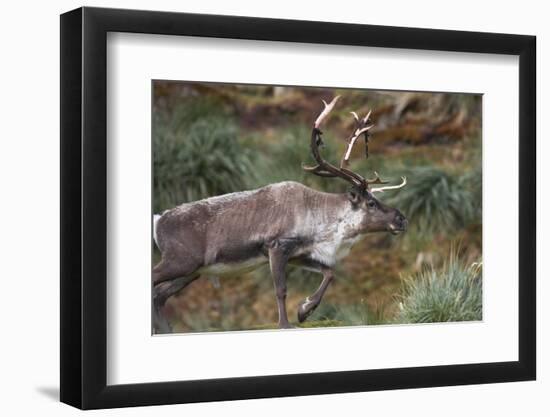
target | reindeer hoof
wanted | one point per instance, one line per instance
(305, 309)
(161, 325)
(286, 325)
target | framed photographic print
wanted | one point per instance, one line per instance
(258, 207)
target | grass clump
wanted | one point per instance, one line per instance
(195, 159)
(282, 158)
(473, 181)
(435, 200)
(357, 314)
(453, 293)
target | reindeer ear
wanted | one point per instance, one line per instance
(354, 196)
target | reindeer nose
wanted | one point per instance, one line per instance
(401, 221)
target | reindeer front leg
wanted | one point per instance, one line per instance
(312, 302)
(278, 259)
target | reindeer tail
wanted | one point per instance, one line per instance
(156, 218)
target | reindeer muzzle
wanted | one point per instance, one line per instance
(398, 225)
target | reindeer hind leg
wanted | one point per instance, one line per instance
(168, 279)
(161, 293)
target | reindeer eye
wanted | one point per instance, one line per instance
(371, 204)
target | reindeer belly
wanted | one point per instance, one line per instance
(225, 269)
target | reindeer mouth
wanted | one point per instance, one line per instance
(394, 230)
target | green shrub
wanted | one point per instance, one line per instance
(283, 156)
(434, 200)
(453, 293)
(348, 314)
(473, 181)
(194, 159)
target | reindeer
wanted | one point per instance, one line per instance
(280, 224)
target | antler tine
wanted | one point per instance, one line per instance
(366, 118)
(376, 180)
(390, 187)
(328, 108)
(358, 132)
(361, 128)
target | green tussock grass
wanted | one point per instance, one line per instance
(281, 158)
(357, 314)
(195, 159)
(435, 200)
(452, 293)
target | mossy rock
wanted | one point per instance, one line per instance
(304, 325)
(321, 323)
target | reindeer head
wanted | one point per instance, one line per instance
(378, 217)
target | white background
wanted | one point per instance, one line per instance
(29, 164)
(133, 60)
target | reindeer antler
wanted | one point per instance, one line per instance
(390, 187)
(326, 169)
(361, 127)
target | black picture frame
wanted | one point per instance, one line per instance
(84, 207)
